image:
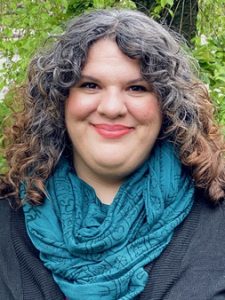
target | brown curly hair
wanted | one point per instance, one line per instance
(38, 137)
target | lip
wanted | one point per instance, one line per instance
(112, 131)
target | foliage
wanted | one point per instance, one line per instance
(4, 111)
(25, 25)
(76, 7)
(209, 50)
(161, 5)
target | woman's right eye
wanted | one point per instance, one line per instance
(89, 85)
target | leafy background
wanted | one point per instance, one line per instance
(25, 25)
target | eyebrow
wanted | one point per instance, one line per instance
(92, 78)
(86, 77)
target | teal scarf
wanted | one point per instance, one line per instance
(97, 251)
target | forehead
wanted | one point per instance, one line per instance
(105, 54)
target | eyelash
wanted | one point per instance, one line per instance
(89, 85)
(133, 88)
(138, 88)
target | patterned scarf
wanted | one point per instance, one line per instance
(97, 251)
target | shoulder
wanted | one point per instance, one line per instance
(211, 223)
(203, 263)
(203, 231)
(4, 204)
(10, 279)
(22, 273)
(5, 214)
(208, 237)
(193, 264)
(202, 236)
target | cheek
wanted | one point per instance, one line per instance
(78, 107)
(147, 112)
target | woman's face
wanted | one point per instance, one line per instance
(112, 116)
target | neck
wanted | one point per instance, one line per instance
(105, 183)
(105, 188)
(105, 192)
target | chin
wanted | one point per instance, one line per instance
(118, 167)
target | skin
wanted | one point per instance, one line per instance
(113, 119)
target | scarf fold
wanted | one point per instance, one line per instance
(97, 251)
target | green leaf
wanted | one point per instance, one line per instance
(99, 3)
(163, 3)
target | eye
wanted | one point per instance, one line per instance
(89, 85)
(138, 88)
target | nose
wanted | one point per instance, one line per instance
(112, 104)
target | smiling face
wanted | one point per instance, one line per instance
(112, 115)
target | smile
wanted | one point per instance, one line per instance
(112, 131)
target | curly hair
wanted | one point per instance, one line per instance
(38, 137)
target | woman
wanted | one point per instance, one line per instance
(113, 164)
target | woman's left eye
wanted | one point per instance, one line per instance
(138, 88)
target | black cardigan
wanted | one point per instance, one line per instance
(191, 268)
